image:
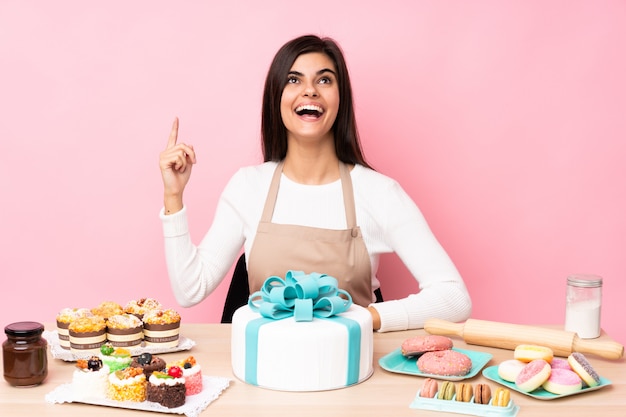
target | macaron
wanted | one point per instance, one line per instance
(533, 375)
(482, 394)
(501, 397)
(583, 368)
(528, 353)
(446, 392)
(429, 389)
(416, 346)
(445, 363)
(563, 381)
(510, 369)
(464, 392)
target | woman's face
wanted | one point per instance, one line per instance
(310, 100)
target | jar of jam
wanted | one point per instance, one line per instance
(24, 354)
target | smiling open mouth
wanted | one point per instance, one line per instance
(309, 110)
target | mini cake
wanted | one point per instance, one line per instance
(107, 309)
(90, 379)
(115, 358)
(87, 334)
(64, 318)
(167, 388)
(192, 373)
(141, 306)
(161, 328)
(127, 385)
(149, 363)
(124, 330)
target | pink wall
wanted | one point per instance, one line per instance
(504, 120)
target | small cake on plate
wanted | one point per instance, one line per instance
(124, 330)
(192, 373)
(90, 379)
(161, 328)
(107, 309)
(87, 334)
(149, 363)
(127, 385)
(115, 358)
(167, 388)
(65, 317)
(141, 306)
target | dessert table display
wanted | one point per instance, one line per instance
(389, 391)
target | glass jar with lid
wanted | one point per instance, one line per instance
(24, 354)
(583, 305)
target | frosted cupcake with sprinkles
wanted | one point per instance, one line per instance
(161, 328)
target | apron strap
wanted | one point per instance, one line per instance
(346, 186)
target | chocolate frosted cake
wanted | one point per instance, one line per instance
(148, 363)
(167, 388)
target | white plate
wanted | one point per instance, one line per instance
(67, 355)
(212, 387)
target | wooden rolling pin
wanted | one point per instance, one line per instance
(508, 336)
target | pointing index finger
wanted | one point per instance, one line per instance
(173, 134)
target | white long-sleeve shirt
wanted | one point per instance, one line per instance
(389, 220)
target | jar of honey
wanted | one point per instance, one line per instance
(24, 354)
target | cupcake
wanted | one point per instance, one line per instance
(124, 330)
(148, 363)
(141, 306)
(90, 379)
(127, 385)
(115, 358)
(107, 309)
(192, 373)
(161, 328)
(87, 335)
(64, 318)
(167, 388)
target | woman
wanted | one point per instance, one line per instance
(299, 209)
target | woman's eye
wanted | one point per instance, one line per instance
(325, 80)
(292, 80)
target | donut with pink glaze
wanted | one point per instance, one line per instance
(533, 375)
(563, 381)
(559, 363)
(415, 346)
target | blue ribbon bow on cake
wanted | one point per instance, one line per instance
(300, 295)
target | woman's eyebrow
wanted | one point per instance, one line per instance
(320, 72)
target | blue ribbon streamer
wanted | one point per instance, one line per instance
(302, 297)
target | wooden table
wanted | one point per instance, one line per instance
(384, 394)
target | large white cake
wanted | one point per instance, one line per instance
(289, 355)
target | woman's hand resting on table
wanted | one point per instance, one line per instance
(175, 162)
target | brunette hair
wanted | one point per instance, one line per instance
(273, 131)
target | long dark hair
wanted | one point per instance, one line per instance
(273, 131)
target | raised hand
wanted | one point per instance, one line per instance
(175, 162)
